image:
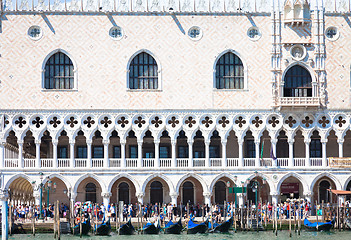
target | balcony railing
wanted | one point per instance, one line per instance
(299, 101)
(168, 163)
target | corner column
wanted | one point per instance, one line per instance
(4, 210)
(106, 198)
(207, 196)
(140, 198)
(241, 156)
(224, 153)
(275, 198)
(54, 153)
(291, 153)
(207, 153)
(341, 150)
(324, 152)
(106, 157)
(140, 153)
(89, 159)
(123, 153)
(307, 153)
(71, 153)
(37, 154)
(190, 152)
(20, 153)
(174, 197)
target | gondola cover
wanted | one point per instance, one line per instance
(103, 229)
(85, 228)
(221, 228)
(173, 228)
(318, 226)
(194, 228)
(126, 229)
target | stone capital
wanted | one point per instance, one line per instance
(307, 194)
(140, 195)
(173, 195)
(55, 142)
(106, 194)
(307, 141)
(274, 194)
(207, 194)
(122, 141)
(340, 141)
(72, 142)
(4, 195)
(89, 141)
(20, 142)
(106, 142)
(37, 141)
(157, 141)
(190, 141)
(224, 141)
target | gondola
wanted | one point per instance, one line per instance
(85, 228)
(318, 226)
(194, 228)
(151, 228)
(221, 228)
(103, 229)
(126, 229)
(173, 228)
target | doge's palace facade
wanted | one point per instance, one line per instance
(174, 100)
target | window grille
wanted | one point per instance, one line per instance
(59, 72)
(143, 72)
(229, 72)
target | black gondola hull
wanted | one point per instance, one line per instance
(223, 227)
(151, 229)
(85, 228)
(126, 229)
(174, 229)
(321, 227)
(103, 229)
(201, 228)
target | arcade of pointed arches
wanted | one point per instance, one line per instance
(291, 185)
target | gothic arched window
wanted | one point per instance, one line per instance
(298, 82)
(90, 192)
(229, 72)
(59, 72)
(143, 72)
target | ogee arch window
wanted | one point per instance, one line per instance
(59, 72)
(298, 82)
(143, 72)
(229, 72)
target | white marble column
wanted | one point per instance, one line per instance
(257, 152)
(106, 198)
(54, 153)
(275, 198)
(241, 155)
(37, 154)
(274, 151)
(174, 157)
(2, 153)
(341, 150)
(89, 159)
(241, 199)
(140, 153)
(4, 218)
(190, 152)
(157, 152)
(207, 153)
(140, 198)
(36, 195)
(207, 196)
(224, 153)
(324, 152)
(291, 153)
(20, 153)
(106, 157)
(174, 197)
(307, 152)
(71, 153)
(123, 153)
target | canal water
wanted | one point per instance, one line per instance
(267, 235)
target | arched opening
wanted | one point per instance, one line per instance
(199, 145)
(148, 145)
(315, 145)
(332, 145)
(123, 189)
(59, 72)
(143, 72)
(229, 72)
(97, 146)
(21, 192)
(265, 149)
(156, 192)
(348, 188)
(258, 188)
(188, 193)
(89, 190)
(320, 190)
(232, 146)
(165, 145)
(249, 144)
(297, 82)
(282, 145)
(215, 147)
(220, 192)
(63, 147)
(46, 145)
(182, 145)
(123, 192)
(55, 189)
(29, 151)
(347, 144)
(11, 148)
(299, 146)
(114, 149)
(195, 195)
(131, 145)
(81, 149)
(291, 188)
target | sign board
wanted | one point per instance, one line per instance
(337, 162)
(287, 188)
(237, 190)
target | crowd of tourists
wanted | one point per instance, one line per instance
(169, 211)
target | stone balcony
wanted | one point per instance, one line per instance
(299, 102)
(164, 163)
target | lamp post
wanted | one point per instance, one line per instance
(51, 187)
(42, 187)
